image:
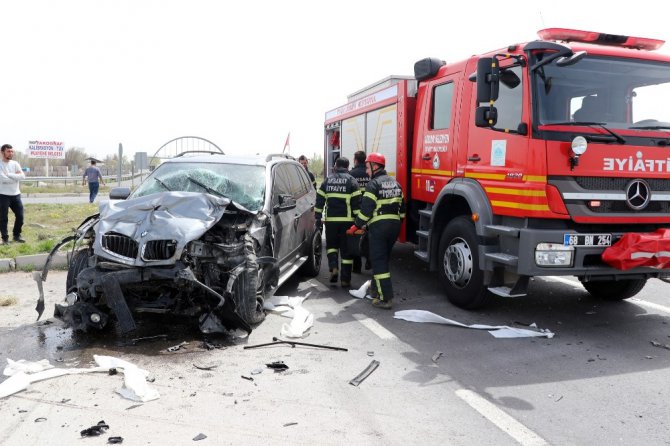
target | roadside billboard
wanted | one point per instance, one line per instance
(46, 149)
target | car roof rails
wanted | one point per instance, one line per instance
(279, 155)
(198, 151)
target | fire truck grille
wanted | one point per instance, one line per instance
(159, 250)
(619, 184)
(622, 207)
(120, 244)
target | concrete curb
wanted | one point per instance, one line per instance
(36, 261)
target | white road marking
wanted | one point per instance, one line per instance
(651, 305)
(634, 300)
(374, 327)
(501, 419)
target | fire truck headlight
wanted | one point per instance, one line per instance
(553, 254)
(579, 145)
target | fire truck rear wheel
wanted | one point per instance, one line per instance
(615, 289)
(459, 265)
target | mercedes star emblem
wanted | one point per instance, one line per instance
(638, 194)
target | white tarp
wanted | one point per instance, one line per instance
(22, 373)
(498, 331)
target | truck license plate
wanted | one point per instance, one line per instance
(587, 239)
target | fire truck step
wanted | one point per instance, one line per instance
(505, 291)
(423, 255)
(499, 257)
(507, 231)
(423, 234)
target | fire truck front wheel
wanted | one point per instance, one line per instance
(459, 265)
(615, 289)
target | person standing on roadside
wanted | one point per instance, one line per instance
(337, 200)
(10, 194)
(94, 177)
(362, 177)
(382, 210)
(305, 162)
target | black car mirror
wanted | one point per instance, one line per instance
(119, 193)
(286, 202)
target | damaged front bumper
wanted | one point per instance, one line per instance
(219, 317)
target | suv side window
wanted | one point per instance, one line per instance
(281, 183)
(304, 181)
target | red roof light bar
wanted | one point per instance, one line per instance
(574, 35)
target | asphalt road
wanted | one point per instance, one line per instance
(598, 381)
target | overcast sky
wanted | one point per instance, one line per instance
(243, 74)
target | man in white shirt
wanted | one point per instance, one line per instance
(10, 195)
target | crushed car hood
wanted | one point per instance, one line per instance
(169, 220)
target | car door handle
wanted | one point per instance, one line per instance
(475, 158)
(426, 157)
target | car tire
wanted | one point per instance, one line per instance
(458, 265)
(614, 290)
(312, 266)
(247, 294)
(78, 263)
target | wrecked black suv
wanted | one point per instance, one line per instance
(206, 236)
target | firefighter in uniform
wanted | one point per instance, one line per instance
(382, 209)
(359, 172)
(338, 200)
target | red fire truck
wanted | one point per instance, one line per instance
(545, 158)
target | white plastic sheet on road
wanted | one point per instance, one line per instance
(498, 331)
(302, 319)
(22, 373)
(361, 292)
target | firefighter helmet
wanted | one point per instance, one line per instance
(375, 157)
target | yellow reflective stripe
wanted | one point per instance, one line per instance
(535, 178)
(402, 215)
(520, 192)
(322, 193)
(332, 219)
(384, 201)
(356, 212)
(318, 210)
(363, 217)
(384, 217)
(447, 173)
(485, 176)
(379, 288)
(347, 262)
(524, 206)
(357, 193)
(338, 195)
(371, 196)
(378, 277)
(332, 251)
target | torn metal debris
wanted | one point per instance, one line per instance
(115, 440)
(277, 366)
(365, 373)
(277, 341)
(96, 430)
(199, 437)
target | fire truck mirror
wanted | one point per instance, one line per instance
(487, 79)
(509, 79)
(486, 116)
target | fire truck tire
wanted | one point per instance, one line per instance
(615, 289)
(78, 263)
(459, 265)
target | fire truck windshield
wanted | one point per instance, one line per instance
(614, 92)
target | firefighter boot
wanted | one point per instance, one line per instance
(380, 303)
(333, 275)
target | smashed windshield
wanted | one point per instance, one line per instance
(619, 93)
(241, 183)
